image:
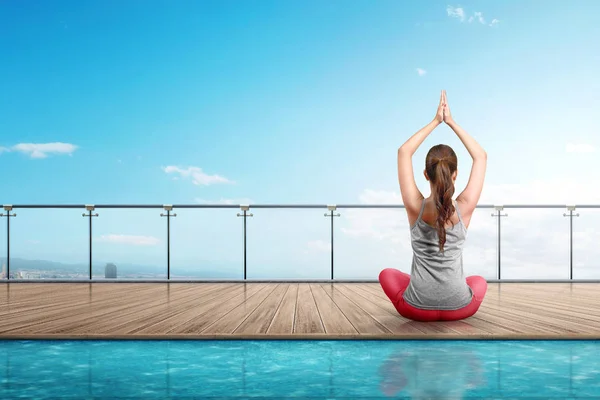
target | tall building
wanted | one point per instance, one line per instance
(110, 271)
(3, 274)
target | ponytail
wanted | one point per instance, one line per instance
(443, 192)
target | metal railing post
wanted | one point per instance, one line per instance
(8, 208)
(331, 209)
(571, 215)
(168, 208)
(90, 208)
(245, 214)
(499, 215)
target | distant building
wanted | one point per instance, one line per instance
(3, 274)
(110, 271)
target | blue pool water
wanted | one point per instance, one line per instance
(300, 369)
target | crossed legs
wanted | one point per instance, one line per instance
(395, 282)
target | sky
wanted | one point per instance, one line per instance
(266, 102)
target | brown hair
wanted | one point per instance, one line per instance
(440, 164)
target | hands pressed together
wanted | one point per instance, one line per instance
(443, 112)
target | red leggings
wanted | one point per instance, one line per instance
(395, 282)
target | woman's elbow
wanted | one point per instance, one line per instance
(481, 156)
(403, 151)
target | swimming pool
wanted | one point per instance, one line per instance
(316, 369)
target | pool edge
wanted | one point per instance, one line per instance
(295, 336)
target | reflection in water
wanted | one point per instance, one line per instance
(431, 372)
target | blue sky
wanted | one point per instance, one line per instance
(289, 102)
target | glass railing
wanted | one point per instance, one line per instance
(284, 242)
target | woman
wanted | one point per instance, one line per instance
(437, 290)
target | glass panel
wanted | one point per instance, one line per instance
(3, 270)
(49, 244)
(586, 237)
(129, 244)
(535, 244)
(368, 240)
(480, 255)
(289, 244)
(207, 244)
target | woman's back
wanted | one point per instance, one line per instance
(437, 278)
(430, 214)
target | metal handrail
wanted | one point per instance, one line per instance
(246, 207)
(299, 206)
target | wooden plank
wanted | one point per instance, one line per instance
(360, 319)
(283, 320)
(334, 320)
(307, 318)
(170, 307)
(103, 309)
(53, 314)
(540, 319)
(205, 314)
(58, 298)
(229, 322)
(260, 319)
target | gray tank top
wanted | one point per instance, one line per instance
(437, 281)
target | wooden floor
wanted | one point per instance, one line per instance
(284, 310)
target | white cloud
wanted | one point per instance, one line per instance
(4, 149)
(459, 13)
(421, 71)
(225, 201)
(456, 12)
(197, 175)
(580, 148)
(479, 16)
(129, 239)
(43, 150)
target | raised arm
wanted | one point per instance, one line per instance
(411, 196)
(470, 196)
